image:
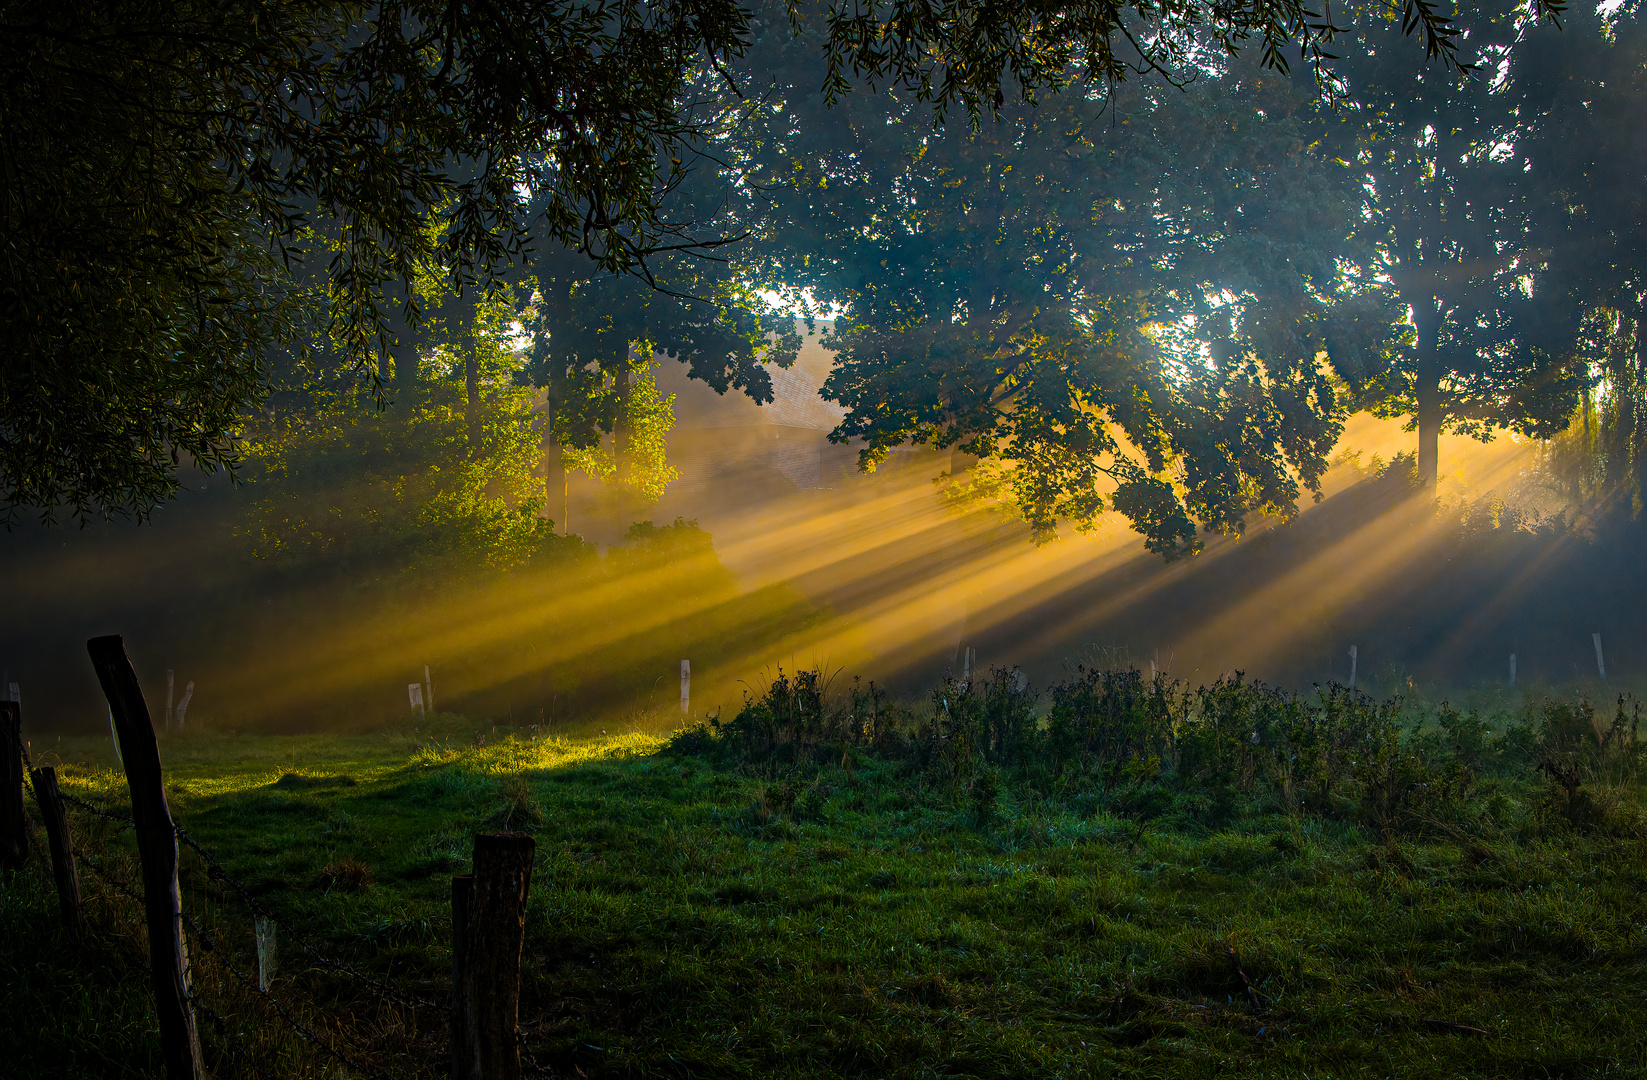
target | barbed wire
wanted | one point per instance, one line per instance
(309, 1034)
(123, 820)
(108, 878)
(209, 944)
(215, 870)
(236, 1047)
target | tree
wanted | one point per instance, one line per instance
(161, 160)
(596, 337)
(1120, 302)
(1454, 199)
(1580, 104)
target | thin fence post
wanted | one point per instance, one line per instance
(50, 801)
(183, 704)
(14, 822)
(686, 685)
(267, 958)
(157, 850)
(488, 929)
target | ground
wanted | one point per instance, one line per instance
(835, 920)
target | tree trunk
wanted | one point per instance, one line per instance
(623, 430)
(1619, 464)
(554, 481)
(1638, 457)
(1427, 317)
(471, 389)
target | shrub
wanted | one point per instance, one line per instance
(1147, 748)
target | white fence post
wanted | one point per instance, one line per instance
(183, 704)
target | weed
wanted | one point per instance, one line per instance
(520, 810)
(347, 874)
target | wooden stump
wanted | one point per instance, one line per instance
(488, 929)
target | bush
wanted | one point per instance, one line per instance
(1144, 749)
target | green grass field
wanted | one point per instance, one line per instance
(845, 918)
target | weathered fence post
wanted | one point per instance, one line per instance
(50, 801)
(14, 822)
(1601, 663)
(267, 957)
(488, 928)
(183, 704)
(157, 849)
(686, 685)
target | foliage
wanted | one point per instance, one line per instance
(595, 336)
(1145, 747)
(1130, 301)
(166, 165)
(1504, 204)
(428, 485)
(1581, 92)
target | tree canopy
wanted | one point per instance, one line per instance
(165, 164)
(1120, 300)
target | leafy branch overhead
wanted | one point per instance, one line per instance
(191, 189)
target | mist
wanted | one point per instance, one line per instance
(787, 557)
(1234, 377)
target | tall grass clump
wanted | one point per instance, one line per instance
(1145, 747)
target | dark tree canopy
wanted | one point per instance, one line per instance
(1455, 198)
(1124, 302)
(163, 163)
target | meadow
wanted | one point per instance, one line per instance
(1119, 877)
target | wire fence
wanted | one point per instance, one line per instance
(209, 945)
(211, 941)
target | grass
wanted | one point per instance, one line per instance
(853, 917)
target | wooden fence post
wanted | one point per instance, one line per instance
(267, 957)
(157, 850)
(14, 822)
(61, 843)
(488, 929)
